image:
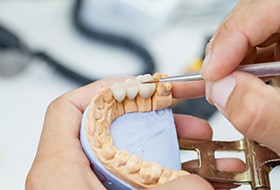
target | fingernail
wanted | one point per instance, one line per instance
(208, 90)
(205, 62)
(221, 90)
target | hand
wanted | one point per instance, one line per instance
(60, 162)
(250, 34)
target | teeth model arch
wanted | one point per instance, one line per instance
(110, 103)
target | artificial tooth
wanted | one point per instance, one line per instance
(119, 91)
(167, 175)
(108, 151)
(133, 164)
(145, 90)
(150, 172)
(121, 157)
(131, 88)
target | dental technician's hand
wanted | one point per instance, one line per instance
(60, 162)
(250, 34)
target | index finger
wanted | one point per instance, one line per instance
(250, 24)
(191, 89)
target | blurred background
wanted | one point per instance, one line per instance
(48, 47)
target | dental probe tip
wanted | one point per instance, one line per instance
(150, 81)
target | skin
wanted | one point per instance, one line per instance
(250, 34)
(60, 162)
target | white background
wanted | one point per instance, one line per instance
(46, 25)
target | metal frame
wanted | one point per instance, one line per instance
(259, 162)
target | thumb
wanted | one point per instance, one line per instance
(248, 25)
(187, 181)
(250, 105)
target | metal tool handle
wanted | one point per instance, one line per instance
(262, 69)
(268, 69)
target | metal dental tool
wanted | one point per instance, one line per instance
(259, 69)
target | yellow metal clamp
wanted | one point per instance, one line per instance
(259, 162)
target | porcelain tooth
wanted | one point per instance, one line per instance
(131, 88)
(145, 90)
(119, 91)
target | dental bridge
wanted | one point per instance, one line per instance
(134, 96)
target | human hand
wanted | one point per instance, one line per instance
(250, 34)
(60, 162)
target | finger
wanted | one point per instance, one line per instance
(277, 51)
(189, 127)
(229, 165)
(232, 13)
(276, 80)
(271, 40)
(190, 181)
(250, 58)
(250, 105)
(191, 89)
(238, 34)
(261, 55)
(224, 165)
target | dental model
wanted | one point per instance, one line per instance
(119, 99)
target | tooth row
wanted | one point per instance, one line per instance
(131, 87)
(146, 172)
(110, 103)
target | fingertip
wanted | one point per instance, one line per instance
(190, 127)
(220, 90)
(228, 49)
(196, 182)
(208, 91)
(230, 165)
(191, 181)
(192, 89)
(253, 109)
(205, 63)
